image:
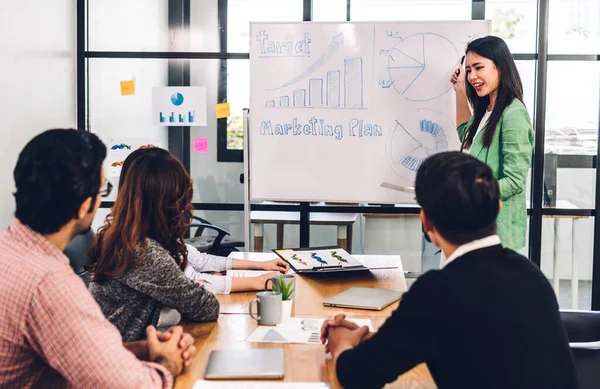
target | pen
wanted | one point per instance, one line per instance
(462, 60)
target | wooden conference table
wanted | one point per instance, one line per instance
(303, 363)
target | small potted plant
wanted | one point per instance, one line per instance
(285, 286)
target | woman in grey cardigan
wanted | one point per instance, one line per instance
(138, 277)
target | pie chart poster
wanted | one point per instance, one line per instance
(179, 106)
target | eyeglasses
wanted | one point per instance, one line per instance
(105, 191)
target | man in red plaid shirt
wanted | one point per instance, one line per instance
(52, 332)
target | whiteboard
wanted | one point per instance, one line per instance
(336, 109)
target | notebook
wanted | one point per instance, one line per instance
(364, 298)
(245, 364)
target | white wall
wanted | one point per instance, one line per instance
(37, 81)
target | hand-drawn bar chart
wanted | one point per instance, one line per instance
(326, 93)
(181, 118)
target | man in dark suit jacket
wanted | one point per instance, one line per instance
(487, 319)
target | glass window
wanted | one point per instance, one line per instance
(574, 27)
(204, 32)
(329, 10)
(515, 21)
(572, 107)
(117, 25)
(408, 10)
(395, 234)
(127, 26)
(241, 12)
(216, 182)
(571, 134)
(230, 221)
(124, 120)
(565, 239)
(527, 72)
(238, 96)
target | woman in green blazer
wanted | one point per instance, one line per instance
(499, 131)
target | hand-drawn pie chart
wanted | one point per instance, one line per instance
(407, 146)
(420, 65)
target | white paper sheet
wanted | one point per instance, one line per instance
(258, 385)
(258, 257)
(246, 273)
(305, 330)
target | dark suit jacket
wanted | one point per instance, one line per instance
(488, 320)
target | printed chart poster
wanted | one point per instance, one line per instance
(318, 258)
(305, 330)
(179, 106)
(118, 149)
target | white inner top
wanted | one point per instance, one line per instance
(482, 123)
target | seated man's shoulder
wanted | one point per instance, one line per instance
(33, 266)
(431, 282)
(520, 259)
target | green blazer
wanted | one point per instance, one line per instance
(509, 156)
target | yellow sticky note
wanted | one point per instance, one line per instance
(223, 110)
(127, 88)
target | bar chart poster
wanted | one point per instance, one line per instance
(179, 106)
(339, 108)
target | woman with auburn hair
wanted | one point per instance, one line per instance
(200, 263)
(139, 254)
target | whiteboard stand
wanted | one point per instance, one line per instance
(246, 179)
(304, 206)
(304, 224)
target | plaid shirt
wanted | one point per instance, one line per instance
(52, 332)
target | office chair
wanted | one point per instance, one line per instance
(76, 251)
(220, 244)
(583, 331)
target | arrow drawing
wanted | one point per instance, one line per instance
(318, 259)
(336, 42)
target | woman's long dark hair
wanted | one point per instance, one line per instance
(154, 201)
(509, 87)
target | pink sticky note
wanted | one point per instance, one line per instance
(201, 145)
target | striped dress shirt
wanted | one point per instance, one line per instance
(52, 332)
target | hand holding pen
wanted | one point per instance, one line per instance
(458, 76)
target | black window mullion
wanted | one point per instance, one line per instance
(537, 187)
(179, 75)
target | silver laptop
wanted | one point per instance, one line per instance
(245, 364)
(364, 298)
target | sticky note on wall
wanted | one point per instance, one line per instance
(223, 110)
(201, 145)
(127, 88)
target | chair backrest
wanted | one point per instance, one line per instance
(583, 331)
(77, 250)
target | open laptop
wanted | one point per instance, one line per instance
(245, 364)
(364, 298)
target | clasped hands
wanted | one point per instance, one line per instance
(339, 335)
(173, 349)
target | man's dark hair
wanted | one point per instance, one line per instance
(55, 173)
(459, 195)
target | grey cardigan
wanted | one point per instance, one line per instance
(133, 300)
